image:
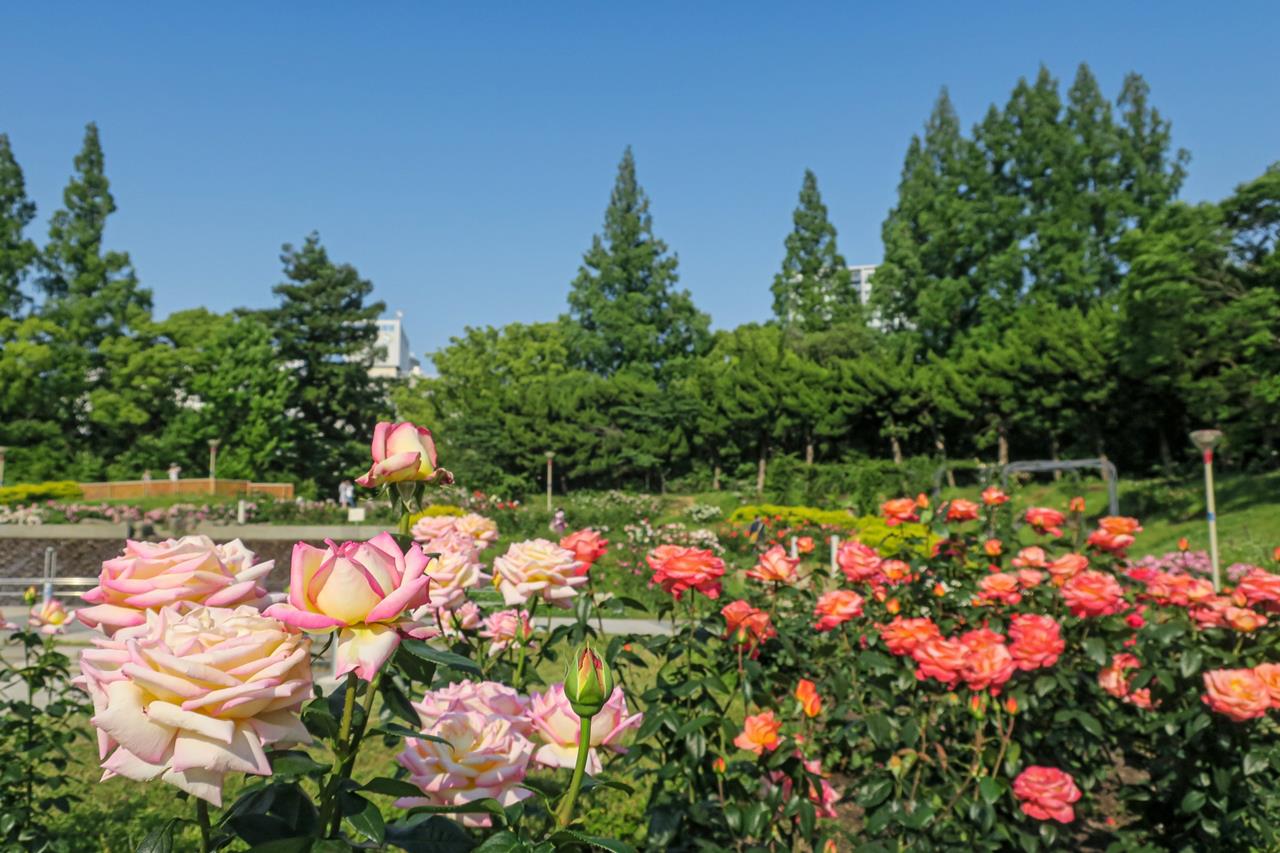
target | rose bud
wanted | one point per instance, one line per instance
(588, 682)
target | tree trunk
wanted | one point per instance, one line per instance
(760, 469)
(940, 444)
(1002, 451)
(715, 478)
(1053, 454)
(662, 482)
(894, 444)
(1166, 454)
(808, 449)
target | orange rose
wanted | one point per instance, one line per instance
(1037, 641)
(1183, 544)
(748, 625)
(904, 636)
(1001, 587)
(804, 545)
(1113, 679)
(807, 695)
(587, 546)
(1093, 594)
(1270, 675)
(1066, 567)
(899, 510)
(988, 665)
(896, 571)
(775, 567)
(1076, 504)
(993, 548)
(1238, 694)
(1120, 525)
(1244, 620)
(678, 569)
(836, 607)
(759, 733)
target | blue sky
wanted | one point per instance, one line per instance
(461, 156)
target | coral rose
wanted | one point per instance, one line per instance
(775, 566)
(1260, 587)
(1243, 619)
(904, 636)
(749, 626)
(1119, 525)
(557, 726)
(470, 756)
(759, 733)
(1093, 593)
(360, 588)
(992, 496)
(189, 696)
(836, 607)
(804, 545)
(402, 452)
(151, 575)
(807, 695)
(988, 665)
(678, 569)
(537, 568)
(1000, 587)
(1046, 793)
(1105, 540)
(587, 546)
(1046, 521)
(1239, 694)
(940, 659)
(1031, 558)
(962, 510)
(1269, 673)
(1113, 678)
(860, 563)
(1066, 567)
(1037, 641)
(993, 547)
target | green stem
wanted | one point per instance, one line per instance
(353, 745)
(564, 814)
(404, 522)
(202, 818)
(328, 807)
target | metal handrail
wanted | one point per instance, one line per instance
(49, 579)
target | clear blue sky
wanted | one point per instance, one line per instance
(461, 156)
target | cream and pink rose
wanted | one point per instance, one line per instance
(50, 616)
(489, 698)
(471, 756)
(195, 693)
(402, 452)
(361, 589)
(506, 628)
(537, 568)
(152, 575)
(557, 727)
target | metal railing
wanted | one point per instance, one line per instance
(49, 582)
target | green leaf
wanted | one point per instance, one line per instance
(363, 816)
(391, 787)
(1192, 802)
(1089, 723)
(295, 762)
(416, 668)
(591, 782)
(437, 656)
(875, 793)
(284, 845)
(160, 839)
(990, 789)
(1096, 649)
(570, 835)
(880, 728)
(1255, 761)
(429, 834)
(1189, 663)
(487, 805)
(695, 724)
(503, 842)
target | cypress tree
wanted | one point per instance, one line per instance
(17, 253)
(814, 289)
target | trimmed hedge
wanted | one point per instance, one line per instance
(25, 493)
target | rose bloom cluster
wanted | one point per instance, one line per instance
(484, 738)
(477, 529)
(1243, 694)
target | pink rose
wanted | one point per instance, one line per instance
(151, 575)
(453, 572)
(1093, 593)
(482, 697)
(506, 627)
(836, 607)
(402, 452)
(556, 725)
(1045, 520)
(775, 566)
(1046, 793)
(537, 568)
(51, 617)
(1037, 641)
(431, 528)
(471, 756)
(360, 588)
(1239, 694)
(194, 694)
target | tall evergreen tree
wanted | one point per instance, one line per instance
(624, 297)
(17, 253)
(814, 288)
(91, 292)
(325, 334)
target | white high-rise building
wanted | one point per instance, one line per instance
(862, 280)
(393, 359)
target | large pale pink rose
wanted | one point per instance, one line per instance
(537, 568)
(489, 698)
(362, 589)
(471, 756)
(195, 693)
(456, 569)
(482, 531)
(556, 726)
(402, 452)
(151, 575)
(430, 528)
(506, 627)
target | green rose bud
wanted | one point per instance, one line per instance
(588, 682)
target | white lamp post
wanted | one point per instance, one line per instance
(213, 463)
(551, 454)
(1205, 440)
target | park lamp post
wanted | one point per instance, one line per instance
(1205, 440)
(2, 450)
(213, 463)
(551, 454)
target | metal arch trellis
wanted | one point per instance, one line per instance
(1037, 466)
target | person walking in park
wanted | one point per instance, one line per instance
(558, 523)
(174, 471)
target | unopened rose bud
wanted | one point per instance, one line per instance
(1076, 505)
(1183, 544)
(939, 590)
(718, 765)
(30, 595)
(1011, 705)
(588, 682)
(922, 500)
(978, 705)
(893, 606)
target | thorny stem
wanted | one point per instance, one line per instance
(564, 814)
(972, 773)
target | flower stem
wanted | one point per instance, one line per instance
(564, 814)
(355, 734)
(328, 806)
(202, 818)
